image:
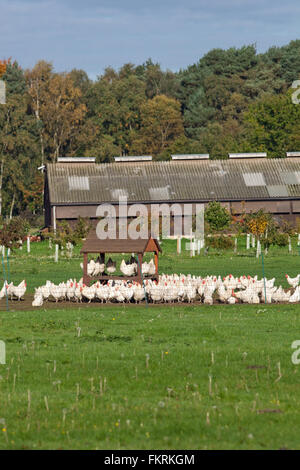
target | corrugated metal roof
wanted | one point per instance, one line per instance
(197, 180)
(93, 244)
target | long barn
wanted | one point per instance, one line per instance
(76, 186)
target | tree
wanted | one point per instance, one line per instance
(161, 124)
(273, 124)
(62, 112)
(18, 141)
(38, 81)
(3, 65)
(217, 216)
(114, 104)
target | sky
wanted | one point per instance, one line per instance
(95, 34)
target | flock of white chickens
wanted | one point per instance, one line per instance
(13, 291)
(173, 288)
(129, 268)
(168, 289)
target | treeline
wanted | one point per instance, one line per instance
(232, 100)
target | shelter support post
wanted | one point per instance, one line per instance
(156, 263)
(85, 273)
(140, 258)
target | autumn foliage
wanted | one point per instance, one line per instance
(3, 65)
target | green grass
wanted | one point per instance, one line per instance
(173, 377)
(168, 404)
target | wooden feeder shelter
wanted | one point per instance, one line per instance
(95, 245)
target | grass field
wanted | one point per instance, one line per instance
(162, 377)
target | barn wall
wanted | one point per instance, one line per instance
(289, 210)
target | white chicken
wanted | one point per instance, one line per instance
(296, 296)
(102, 293)
(19, 291)
(127, 269)
(88, 292)
(138, 293)
(57, 292)
(156, 293)
(37, 301)
(293, 281)
(3, 291)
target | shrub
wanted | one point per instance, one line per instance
(220, 242)
(82, 228)
(281, 239)
(13, 231)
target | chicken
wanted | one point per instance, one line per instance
(57, 292)
(169, 293)
(138, 293)
(152, 269)
(296, 296)
(99, 268)
(78, 292)
(145, 268)
(118, 295)
(10, 289)
(70, 290)
(268, 296)
(156, 293)
(3, 291)
(111, 266)
(208, 299)
(37, 301)
(281, 296)
(91, 267)
(224, 294)
(19, 291)
(190, 293)
(102, 292)
(88, 292)
(127, 269)
(293, 281)
(45, 290)
(127, 292)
